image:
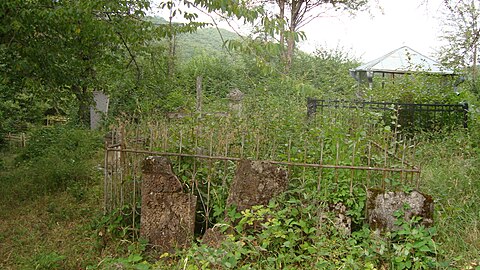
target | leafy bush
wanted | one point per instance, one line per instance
(57, 159)
(327, 70)
(414, 88)
(297, 235)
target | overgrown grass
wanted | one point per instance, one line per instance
(55, 159)
(450, 173)
(50, 232)
(49, 192)
(59, 225)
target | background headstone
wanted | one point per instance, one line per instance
(381, 207)
(98, 112)
(235, 97)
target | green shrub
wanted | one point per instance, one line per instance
(58, 159)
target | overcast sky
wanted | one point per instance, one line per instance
(413, 23)
(403, 23)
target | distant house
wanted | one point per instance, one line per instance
(399, 62)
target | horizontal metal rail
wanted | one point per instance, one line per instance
(287, 163)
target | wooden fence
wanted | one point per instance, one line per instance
(19, 139)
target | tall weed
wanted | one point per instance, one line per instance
(55, 159)
(450, 174)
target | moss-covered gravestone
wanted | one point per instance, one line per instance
(255, 183)
(168, 214)
(382, 208)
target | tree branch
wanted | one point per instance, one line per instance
(132, 56)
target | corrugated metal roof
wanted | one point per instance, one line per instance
(404, 60)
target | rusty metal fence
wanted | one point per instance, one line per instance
(205, 160)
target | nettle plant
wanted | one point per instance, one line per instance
(411, 246)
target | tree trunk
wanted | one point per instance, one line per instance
(171, 46)
(290, 50)
(84, 100)
(296, 5)
(475, 52)
(171, 56)
(281, 16)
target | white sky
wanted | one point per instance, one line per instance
(403, 23)
(413, 23)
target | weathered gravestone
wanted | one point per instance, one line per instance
(100, 110)
(236, 96)
(382, 206)
(159, 176)
(341, 220)
(255, 183)
(336, 215)
(168, 214)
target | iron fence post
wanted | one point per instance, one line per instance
(465, 115)
(311, 107)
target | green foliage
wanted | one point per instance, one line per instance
(296, 234)
(328, 71)
(206, 41)
(55, 159)
(414, 88)
(410, 246)
(292, 231)
(121, 224)
(134, 261)
(54, 54)
(459, 28)
(63, 45)
(48, 261)
(455, 191)
(413, 245)
(219, 75)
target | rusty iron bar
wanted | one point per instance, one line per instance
(369, 161)
(225, 166)
(114, 145)
(289, 155)
(385, 161)
(286, 163)
(209, 180)
(336, 164)
(105, 180)
(403, 159)
(393, 155)
(319, 184)
(304, 161)
(352, 171)
(134, 197)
